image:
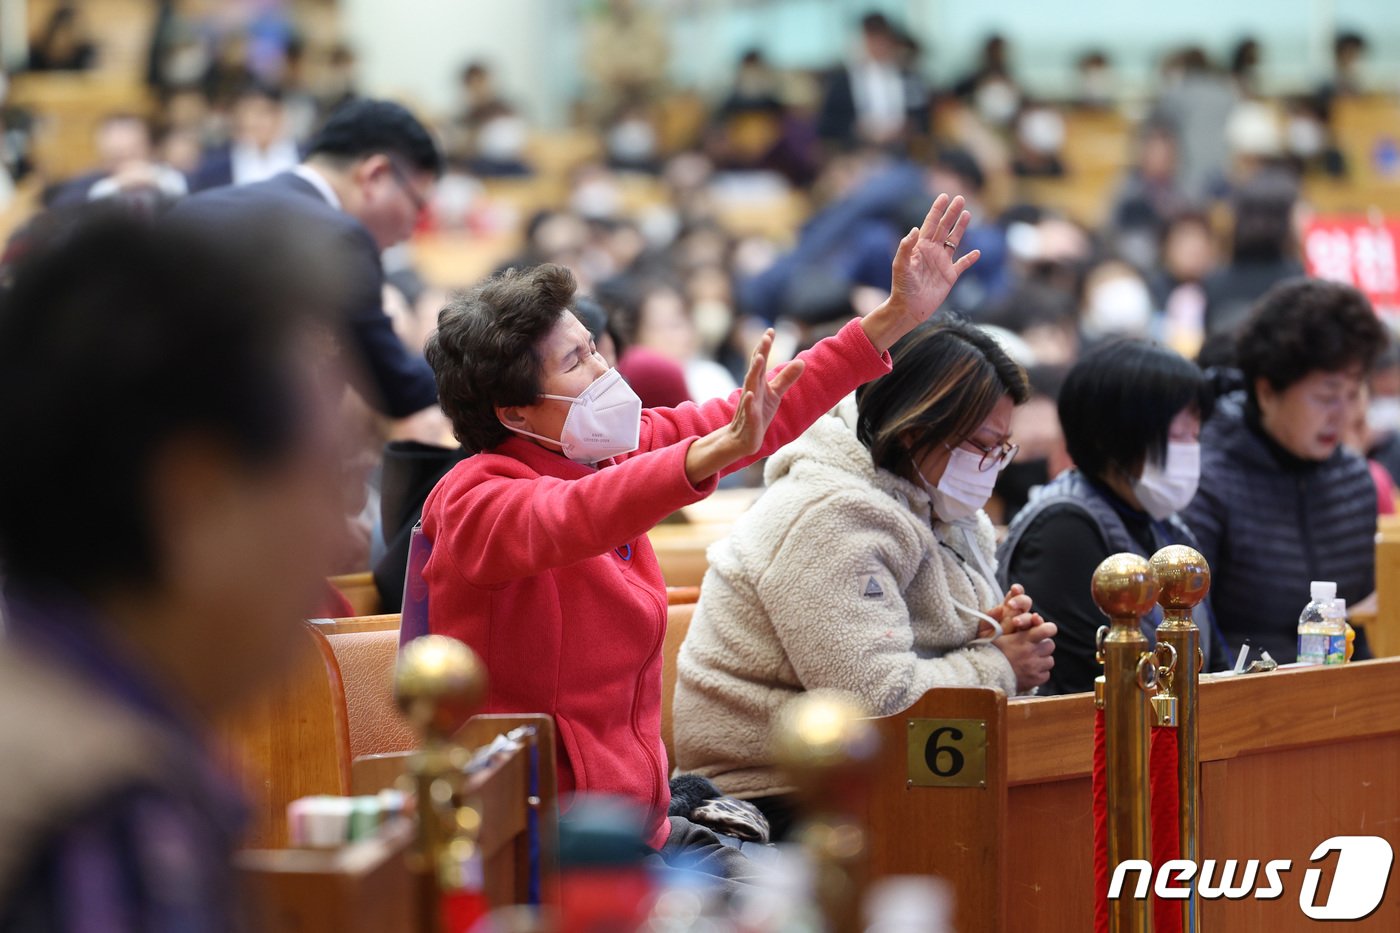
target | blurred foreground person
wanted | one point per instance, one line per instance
(170, 498)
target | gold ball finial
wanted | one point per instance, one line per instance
(1183, 577)
(439, 683)
(821, 731)
(1125, 586)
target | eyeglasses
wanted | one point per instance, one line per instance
(420, 204)
(993, 458)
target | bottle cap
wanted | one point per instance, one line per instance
(1341, 606)
(1323, 591)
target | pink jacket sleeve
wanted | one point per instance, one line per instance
(505, 527)
(836, 367)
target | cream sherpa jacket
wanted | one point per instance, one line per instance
(836, 577)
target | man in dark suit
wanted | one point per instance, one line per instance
(365, 181)
(876, 99)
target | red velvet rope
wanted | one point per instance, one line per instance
(462, 909)
(1166, 835)
(1166, 840)
(1100, 785)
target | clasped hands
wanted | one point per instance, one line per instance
(1027, 640)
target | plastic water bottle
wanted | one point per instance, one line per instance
(1315, 624)
(1337, 632)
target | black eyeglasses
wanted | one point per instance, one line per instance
(994, 458)
(420, 204)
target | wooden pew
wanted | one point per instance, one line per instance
(680, 549)
(677, 625)
(359, 590)
(1289, 759)
(1383, 631)
(681, 541)
(70, 106)
(367, 887)
(291, 741)
(301, 737)
(508, 798)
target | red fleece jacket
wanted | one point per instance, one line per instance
(542, 565)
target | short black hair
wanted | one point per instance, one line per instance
(484, 350)
(1303, 326)
(876, 23)
(947, 376)
(1348, 40)
(264, 90)
(118, 337)
(962, 163)
(1117, 404)
(363, 127)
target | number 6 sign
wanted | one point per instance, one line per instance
(947, 753)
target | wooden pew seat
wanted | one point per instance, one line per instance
(677, 625)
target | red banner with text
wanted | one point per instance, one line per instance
(1359, 252)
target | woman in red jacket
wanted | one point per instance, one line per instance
(540, 559)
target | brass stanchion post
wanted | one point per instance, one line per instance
(1125, 589)
(827, 747)
(439, 683)
(1183, 578)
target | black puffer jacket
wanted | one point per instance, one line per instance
(1269, 523)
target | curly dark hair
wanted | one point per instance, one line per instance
(484, 351)
(1307, 325)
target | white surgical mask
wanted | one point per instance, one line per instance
(1167, 488)
(1383, 414)
(963, 488)
(605, 421)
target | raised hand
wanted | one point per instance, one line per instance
(758, 405)
(923, 272)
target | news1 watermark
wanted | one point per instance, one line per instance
(1358, 881)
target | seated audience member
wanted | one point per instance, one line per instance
(150, 589)
(65, 44)
(652, 315)
(365, 183)
(1360, 439)
(1036, 427)
(540, 558)
(488, 135)
(1040, 140)
(847, 243)
(1131, 414)
(1383, 409)
(261, 146)
(867, 566)
(875, 99)
(1263, 250)
(1281, 501)
(126, 162)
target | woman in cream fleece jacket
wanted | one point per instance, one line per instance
(867, 565)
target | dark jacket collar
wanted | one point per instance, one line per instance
(1286, 459)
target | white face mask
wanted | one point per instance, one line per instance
(963, 488)
(1119, 306)
(605, 421)
(1383, 414)
(1165, 489)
